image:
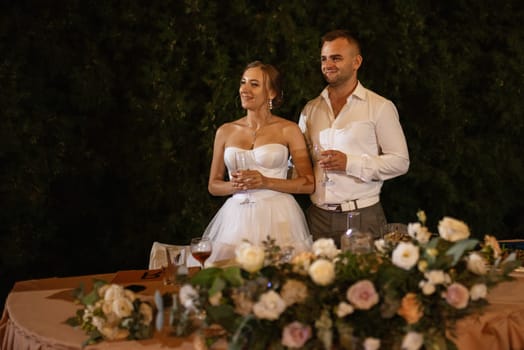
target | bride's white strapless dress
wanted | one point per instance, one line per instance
(274, 214)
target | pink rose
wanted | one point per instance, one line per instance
(362, 295)
(457, 295)
(295, 335)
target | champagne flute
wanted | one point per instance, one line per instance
(317, 151)
(241, 163)
(201, 249)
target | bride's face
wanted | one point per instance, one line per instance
(253, 90)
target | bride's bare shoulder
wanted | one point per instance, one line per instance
(231, 126)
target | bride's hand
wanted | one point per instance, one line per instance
(247, 179)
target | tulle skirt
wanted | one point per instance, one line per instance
(270, 214)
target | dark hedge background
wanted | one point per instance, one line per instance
(109, 108)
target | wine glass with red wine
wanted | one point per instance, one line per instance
(201, 249)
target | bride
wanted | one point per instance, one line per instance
(261, 203)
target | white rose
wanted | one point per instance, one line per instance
(477, 264)
(412, 341)
(187, 296)
(452, 229)
(413, 229)
(325, 247)
(405, 255)
(322, 272)
(478, 291)
(112, 292)
(250, 257)
(269, 306)
(122, 307)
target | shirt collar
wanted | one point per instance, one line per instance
(359, 92)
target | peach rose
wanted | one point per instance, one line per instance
(410, 308)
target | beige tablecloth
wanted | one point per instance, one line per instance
(501, 326)
(35, 312)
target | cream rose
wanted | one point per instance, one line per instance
(412, 341)
(111, 292)
(478, 291)
(452, 229)
(477, 264)
(269, 306)
(294, 291)
(325, 247)
(371, 343)
(250, 257)
(322, 272)
(428, 288)
(343, 309)
(437, 276)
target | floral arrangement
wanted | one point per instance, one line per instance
(407, 294)
(112, 312)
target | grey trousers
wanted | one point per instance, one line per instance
(330, 224)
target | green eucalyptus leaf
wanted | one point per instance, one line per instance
(218, 285)
(224, 315)
(205, 277)
(233, 275)
(457, 250)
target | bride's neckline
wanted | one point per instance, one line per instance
(252, 149)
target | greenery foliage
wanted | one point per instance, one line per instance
(108, 113)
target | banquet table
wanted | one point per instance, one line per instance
(35, 312)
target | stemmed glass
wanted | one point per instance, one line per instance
(317, 151)
(242, 163)
(201, 249)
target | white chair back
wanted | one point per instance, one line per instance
(158, 256)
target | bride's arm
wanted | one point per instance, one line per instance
(217, 185)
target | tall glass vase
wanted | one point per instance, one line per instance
(356, 240)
